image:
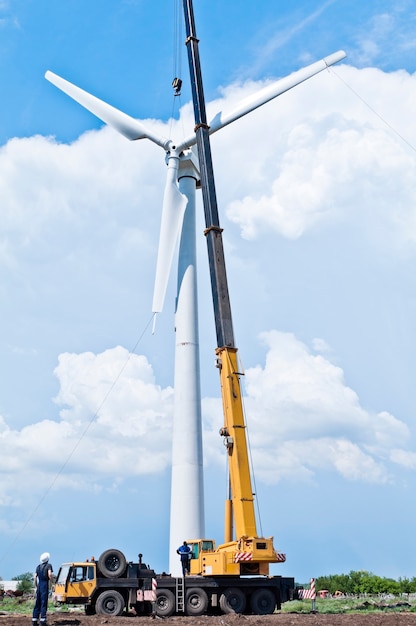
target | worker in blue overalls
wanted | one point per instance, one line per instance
(184, 552)
(42, 577)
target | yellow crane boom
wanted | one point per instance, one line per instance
(240, 505)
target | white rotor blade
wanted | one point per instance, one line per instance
(174, 205)
(265, 95)
(123, 123)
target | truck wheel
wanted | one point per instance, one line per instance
(110, 602)
(112, 563)
(196, 601)
(232, 600)
(263, 602)
(165, 603)
(89, 609)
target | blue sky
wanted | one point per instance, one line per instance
(317, 198)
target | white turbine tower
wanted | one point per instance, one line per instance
(178, 220)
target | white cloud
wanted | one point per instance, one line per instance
(115, 422)
(333, 162)
(405, 458)
(116, 392)
(300, 462)
(313, 156)
(386, 34)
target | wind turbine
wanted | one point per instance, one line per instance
(178, 220)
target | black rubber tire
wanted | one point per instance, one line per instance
(232, 600)
(112, 563)
(110, 602)
(89, 609)
(263, 602)
(165, 603)
(196, 601)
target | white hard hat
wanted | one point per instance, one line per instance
(44, 558)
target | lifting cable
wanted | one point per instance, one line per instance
(176, 57)
(252, 473)
(253, 476)
(76, 445)
(177, 38)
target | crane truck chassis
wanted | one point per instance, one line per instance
(113, 586)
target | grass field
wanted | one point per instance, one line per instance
(367, 604)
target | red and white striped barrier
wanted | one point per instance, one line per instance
(308, 594)
(248, 556)
(243, 556)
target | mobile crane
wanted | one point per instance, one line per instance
(243, 552)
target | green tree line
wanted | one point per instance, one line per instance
(363, 582)
(25, 583)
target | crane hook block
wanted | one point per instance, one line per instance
(177, 84)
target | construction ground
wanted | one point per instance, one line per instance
(282, 619)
